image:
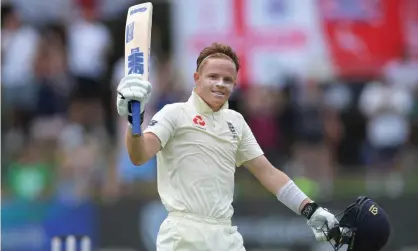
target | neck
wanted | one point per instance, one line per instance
(214, 108)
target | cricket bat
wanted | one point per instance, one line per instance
(137, 51)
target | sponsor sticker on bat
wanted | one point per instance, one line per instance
(136, 61)
(130, 32)
(142, 9)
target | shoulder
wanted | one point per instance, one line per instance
(234, 116)
(173, 108)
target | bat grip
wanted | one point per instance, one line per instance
(136, 118)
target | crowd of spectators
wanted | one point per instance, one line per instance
(61, 135)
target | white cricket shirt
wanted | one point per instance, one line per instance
(200, 151)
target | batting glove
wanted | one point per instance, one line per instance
(319, 219)
(132, 88)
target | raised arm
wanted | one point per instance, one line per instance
(141, 149)
(145, 146)
(159, 131)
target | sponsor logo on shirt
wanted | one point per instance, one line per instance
(198, 120)
(153, 122)
(232, 129)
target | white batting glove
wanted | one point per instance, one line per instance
(320, 220)
(132, 88)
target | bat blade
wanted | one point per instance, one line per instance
(137, 51)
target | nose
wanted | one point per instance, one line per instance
(220, 84)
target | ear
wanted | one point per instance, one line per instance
(196, 77)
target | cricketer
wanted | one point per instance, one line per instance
(199, 144)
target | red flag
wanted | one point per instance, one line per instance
(362, 35)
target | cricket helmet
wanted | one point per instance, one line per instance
(363, 226)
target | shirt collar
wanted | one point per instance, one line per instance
(201, 105)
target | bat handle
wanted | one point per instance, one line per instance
(136, 118)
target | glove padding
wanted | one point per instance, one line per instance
(319, 219)
(132, 88)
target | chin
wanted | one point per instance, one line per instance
(218, 103)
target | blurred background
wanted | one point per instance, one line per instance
(329, 88)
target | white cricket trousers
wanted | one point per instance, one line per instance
(186, 232)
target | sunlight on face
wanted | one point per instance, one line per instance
(215, 81)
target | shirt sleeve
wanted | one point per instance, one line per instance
(163, 124)
(248, 148)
